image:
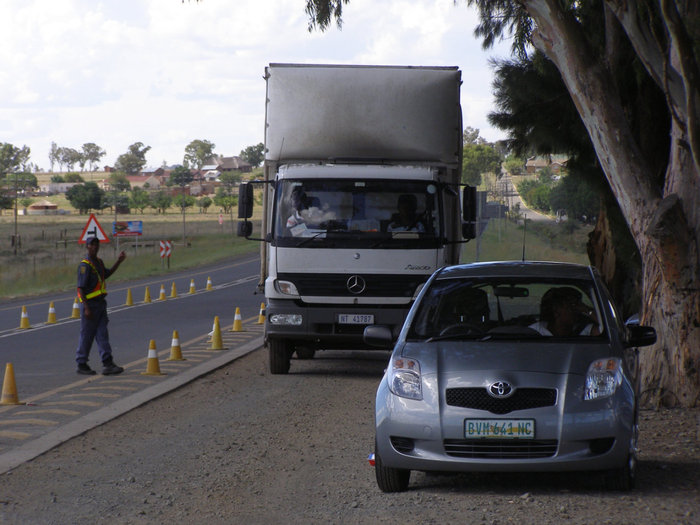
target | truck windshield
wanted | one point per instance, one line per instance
(368, 213)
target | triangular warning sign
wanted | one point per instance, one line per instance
(93, 228)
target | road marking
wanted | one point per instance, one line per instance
(29, 421)
(13, 434)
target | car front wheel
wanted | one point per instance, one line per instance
(390, 479)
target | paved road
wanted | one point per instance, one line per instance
(43, 357)
(57, 404)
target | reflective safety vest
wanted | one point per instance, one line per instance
(100, 287)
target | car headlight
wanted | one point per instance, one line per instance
(603, 378)
(286, 287)
(405, 379)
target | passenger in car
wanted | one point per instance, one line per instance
(561, 312)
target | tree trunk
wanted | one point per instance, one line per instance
(664, 222)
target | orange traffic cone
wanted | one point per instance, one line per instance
(175, 350)
(147, 296)
(129, 298)
(24, 319)
(237, 321)
(173, 291)
(192, 288)
(161, 297)
(261, 316)
(209, 286)
(216, 342)
(152, 364)
(52, 314)
(75, 314)
(9, 388)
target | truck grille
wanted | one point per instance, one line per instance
(480, 399)
(501, 449)
(336, 285)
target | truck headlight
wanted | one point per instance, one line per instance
(603, 378)
(286, 287)
(405, 378)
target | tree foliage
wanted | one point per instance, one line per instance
(133, 161)
(478, 159)
(85, 197)
(92, 153)
(139, 199)
(198, 152)
(254, 155)
(13, 159)
(614, 59)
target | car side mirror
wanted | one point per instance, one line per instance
(640, 335)
(378, 335)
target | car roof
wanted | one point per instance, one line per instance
(536, 269)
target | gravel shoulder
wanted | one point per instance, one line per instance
(242, 446)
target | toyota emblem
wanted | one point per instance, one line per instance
(500, 389)
(356, 284)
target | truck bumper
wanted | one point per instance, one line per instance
(320, 328)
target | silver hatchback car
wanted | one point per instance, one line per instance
(510, 366)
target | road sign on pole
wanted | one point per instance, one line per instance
(93, 229)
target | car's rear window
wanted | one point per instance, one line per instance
(508, 307)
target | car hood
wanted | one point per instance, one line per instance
(447, 357)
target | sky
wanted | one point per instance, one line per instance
(166, 72)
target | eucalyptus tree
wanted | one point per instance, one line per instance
(198, 152)
(661, 205)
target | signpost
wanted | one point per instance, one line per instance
(166, 248)
(93, 229)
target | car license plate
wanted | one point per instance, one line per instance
(499, 428)
(355, 319)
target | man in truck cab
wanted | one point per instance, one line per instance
(406, 220)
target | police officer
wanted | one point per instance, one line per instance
(93, 312)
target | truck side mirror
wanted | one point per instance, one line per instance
(245, 229)
(245, 201)
(469, 212)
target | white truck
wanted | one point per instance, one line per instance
(361, 199)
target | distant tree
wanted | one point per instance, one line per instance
(133, 161)
(197, 152)
(471, 136)
(184, 201)
(119, 181)
(161, 201)
(25, 202)
(478, 159)
(111, 199)
(73, 177)
(254, 155)
(225, 200)
(57, 178)
(139, 199)
(69, 157)
(92, 154)
(514, 165)
(85, 197)
(53, 155)
(180, 176)
(204, 203)
(12, 158)
(577, 196)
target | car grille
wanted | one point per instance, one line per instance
(501, 449)
(480, 399)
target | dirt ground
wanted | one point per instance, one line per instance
(242, 446)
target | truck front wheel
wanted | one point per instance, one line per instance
(280, 355)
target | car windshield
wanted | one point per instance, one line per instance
(501, 308)
(368, 213)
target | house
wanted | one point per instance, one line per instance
(42, 207)
(151, 182)
(554, 162)
(53, 188)
(152, 172)
(226, 164)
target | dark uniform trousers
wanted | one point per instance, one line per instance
(94, 329)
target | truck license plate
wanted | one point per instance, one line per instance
(355, 319)
(499, 428)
